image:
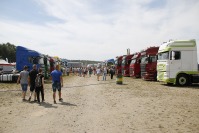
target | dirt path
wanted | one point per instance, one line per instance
(92, 106)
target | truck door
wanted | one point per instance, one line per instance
(175, 63)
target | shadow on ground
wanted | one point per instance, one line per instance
(192, 86)
(88, 85)
(67, 104)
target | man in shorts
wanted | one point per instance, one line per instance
(23, 80)
(57, 83)
(32, 76)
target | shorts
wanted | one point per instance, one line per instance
(32, 87)
(24, 87)
(56, 86)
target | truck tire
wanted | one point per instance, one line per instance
(182, 80)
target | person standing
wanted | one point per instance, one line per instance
(94, 70)
(32, 76)
(67, 71)
(39, 85)
(23, 80)
(104, 73)
(57, 83)
(80, 71)
(98, 71)
(90, 71)
(111, 72)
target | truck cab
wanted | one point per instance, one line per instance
(149, 63)
(177, 62)
(118, 65)
(126, 60)
(135, 66)
(25, 56)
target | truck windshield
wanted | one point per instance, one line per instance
(163, 56)
(33, 60)
(116, 62)
(144, 59)
(41, 61)
(152, 58)
(124, 62)
(133, 61)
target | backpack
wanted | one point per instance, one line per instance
(38, 82)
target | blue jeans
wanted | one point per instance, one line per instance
(56, 86)
(24, 87)
(104, 76)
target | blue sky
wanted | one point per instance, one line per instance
(96, 29)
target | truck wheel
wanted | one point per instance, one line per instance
(182, 80)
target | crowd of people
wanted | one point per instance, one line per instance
(99, 71)
(35, 80)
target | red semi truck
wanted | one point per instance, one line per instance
(135, 66)
(149, 63)
(126, 60)
(118, 65)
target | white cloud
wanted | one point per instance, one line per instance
(90, 31)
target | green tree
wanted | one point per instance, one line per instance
(8, 51)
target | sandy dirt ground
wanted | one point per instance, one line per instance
(92, 106)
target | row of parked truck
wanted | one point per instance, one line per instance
(174, 62)
(28, 57)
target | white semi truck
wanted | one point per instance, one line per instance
(177, 62)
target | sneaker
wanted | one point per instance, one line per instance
(60, 99)
(23, 99)
(55, 102)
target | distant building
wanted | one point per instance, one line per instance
(74, 64)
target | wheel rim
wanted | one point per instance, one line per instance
(182, 80)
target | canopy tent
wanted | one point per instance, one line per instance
(109, 62)
(3, 62)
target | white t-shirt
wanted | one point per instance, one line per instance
(105, 70)
(98, 71)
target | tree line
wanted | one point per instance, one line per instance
(8, 50)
